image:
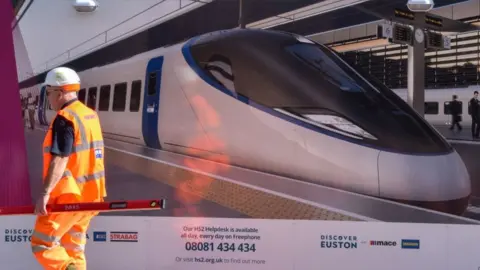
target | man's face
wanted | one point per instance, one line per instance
(475, 95)
(54, 96)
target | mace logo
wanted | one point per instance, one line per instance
(411, 243)
(123, 236)
(338, 241)
(383, 243)
(100, 236)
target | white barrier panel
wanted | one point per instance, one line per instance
(126, 243)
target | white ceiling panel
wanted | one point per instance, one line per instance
(358, 31)
(466, 10)
(446, 12)
(343, 34)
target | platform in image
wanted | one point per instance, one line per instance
(134, 172)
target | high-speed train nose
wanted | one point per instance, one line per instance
(437, 182)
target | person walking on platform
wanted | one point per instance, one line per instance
(31, 111)
(474, 111)
(456, 112)
(22, 104)
(73, 172)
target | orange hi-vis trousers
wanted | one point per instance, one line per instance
(59, 239)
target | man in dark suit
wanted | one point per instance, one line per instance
(456, 111)
(474, 110)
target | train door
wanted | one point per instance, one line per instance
(151, 102)
(42, 107)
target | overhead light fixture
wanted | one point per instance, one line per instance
(420, 5)
(85, 5)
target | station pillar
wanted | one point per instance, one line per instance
(416, 68)
(14, 181)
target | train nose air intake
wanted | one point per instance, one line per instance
(437, 182)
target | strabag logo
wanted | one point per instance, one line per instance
(411, 243)
(123, 236)
(383, 243)
(338, 241)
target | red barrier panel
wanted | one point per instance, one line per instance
(14, 182)
(133, 205)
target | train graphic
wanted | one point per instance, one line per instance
(279, 103)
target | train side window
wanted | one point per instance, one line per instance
(152, 83)
(104, 102)
(92, 98)
(447, 107)
(431, 107)
(135, 96)
(119, 97)
(82, 95)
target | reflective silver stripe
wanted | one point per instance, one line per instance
(40, 248)
(83, 134)
(91, 177)
(53, 240)
(74, 247)
(85, 178)
(79, 148)
(76, 234)
(46, 238)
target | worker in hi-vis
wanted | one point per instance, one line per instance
(73, 172)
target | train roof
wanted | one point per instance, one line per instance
(245, 35)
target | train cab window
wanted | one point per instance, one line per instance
(330, 71)
(447, 107)
(220, 68)
(92, 98)
(119, 97)
(135, 96)
(104, 102)
(431, 107)
(152, 83)
(82, 95)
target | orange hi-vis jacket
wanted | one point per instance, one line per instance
(84, 175)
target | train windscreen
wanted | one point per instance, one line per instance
(308, 81)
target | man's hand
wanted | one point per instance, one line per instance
(41, 206)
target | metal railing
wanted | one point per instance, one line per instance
(70, 54)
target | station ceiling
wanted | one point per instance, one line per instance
(330, 15)
(358, 19)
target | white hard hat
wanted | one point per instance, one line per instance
(63, 77)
